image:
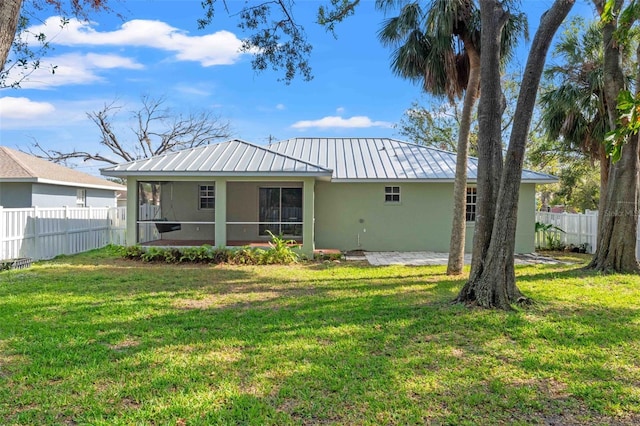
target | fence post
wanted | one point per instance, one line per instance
(67, 240)
(91, 236)
(36, 235)
(580, 220)
(3, 234)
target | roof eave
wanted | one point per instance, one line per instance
(81, 185)
(125, 173)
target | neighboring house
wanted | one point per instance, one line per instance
(329, 193)
(28, 181)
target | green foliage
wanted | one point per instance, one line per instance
(133, 252)
(202, 254)
(551, 236)
(436, 127)
(246, 256)
(280, 252)
(628, 124)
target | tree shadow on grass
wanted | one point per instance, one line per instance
(387, 349)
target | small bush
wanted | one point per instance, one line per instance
(246, 256)
(221, 255)
(132, 252)
(280, 252)
(153, 254)
(202, 254)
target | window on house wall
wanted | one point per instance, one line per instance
(471, 204)
(81, 197)
(207, 197)
(280, 211)
(391, 194)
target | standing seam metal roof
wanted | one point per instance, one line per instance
(234, 156)
(366, 159)
(344, 159)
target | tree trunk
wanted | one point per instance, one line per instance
(618, 221)
(494, 286)
(490, 109)
(616, 249)
(459, 225)
(9, 16)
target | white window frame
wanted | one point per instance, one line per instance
(392, 194)
(208, 195)
(471, 204)
(81, 197)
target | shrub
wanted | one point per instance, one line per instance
(133, 252)
(202, 254)
(221, 255)
(246, 256)
(280, 252)
(153, 254)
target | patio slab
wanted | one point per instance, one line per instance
(418, 258)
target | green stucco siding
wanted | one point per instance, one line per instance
(352, 216)
(525, 232)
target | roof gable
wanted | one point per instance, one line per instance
(236, 157)
(366, 159)
(16, 166)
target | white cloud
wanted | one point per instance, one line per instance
(340, 123)
(30, 117)
(72, 68)
(23, 108)
(219, 48)
(281, 107)
(340, 110)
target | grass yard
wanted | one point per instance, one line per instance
(93, 339)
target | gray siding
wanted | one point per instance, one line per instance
(15, 195)
(101, 198)
(57, 196)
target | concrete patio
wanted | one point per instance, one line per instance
(419, 258)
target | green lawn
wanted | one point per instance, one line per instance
(93, 339)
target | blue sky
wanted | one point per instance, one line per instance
(156, 49)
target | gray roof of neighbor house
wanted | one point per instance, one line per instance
(16, 166)
(384, 159)
(234, 157)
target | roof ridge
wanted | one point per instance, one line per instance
(16, 159)
(264, 148)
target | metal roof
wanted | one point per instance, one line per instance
(16, 166)
(383, 159)
(234, 157)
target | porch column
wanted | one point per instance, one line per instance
(221, 213)
(308, 216)
(131, 235)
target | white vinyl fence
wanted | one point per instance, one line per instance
(43, 233)
(579, 228)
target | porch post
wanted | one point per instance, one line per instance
(221, 213)
(131, 234)
(308, 216)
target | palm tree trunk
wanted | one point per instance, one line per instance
(458, 228)
(9, 15)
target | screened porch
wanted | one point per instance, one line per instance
(188, 213)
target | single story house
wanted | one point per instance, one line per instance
(28, 181)
(375, 194)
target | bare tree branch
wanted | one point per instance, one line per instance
(157, 130)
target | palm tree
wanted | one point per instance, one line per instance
(574, 113)
(440, 47)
